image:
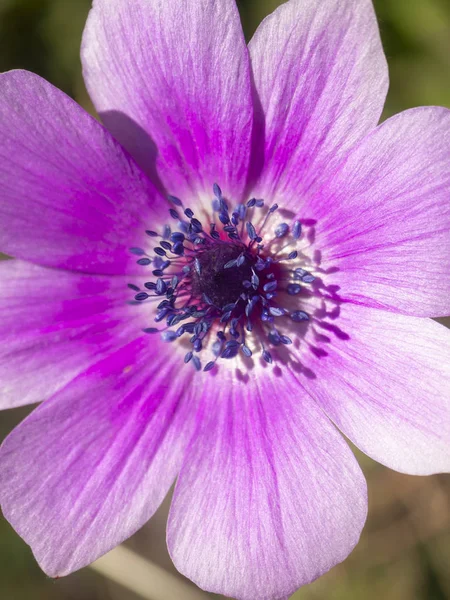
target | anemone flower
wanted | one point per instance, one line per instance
(237, 264)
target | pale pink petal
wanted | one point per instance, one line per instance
(54, 324)
(70, 196)
(269, 496)
(89, 467)
(384, 379)
(321, 77)
(383, 222)
(171, 81)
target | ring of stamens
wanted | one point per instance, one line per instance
(215, 283)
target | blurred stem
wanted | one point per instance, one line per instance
(130, 570)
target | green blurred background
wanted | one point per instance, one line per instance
(404, 553)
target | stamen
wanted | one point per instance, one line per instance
(222, 282)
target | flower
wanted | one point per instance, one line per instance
(243, 203)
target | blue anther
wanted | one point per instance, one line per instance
(281, 230)
(217, 191)
(197, 345)
(293, 289)
(229, 307)
(150, 285)
(273, 208)
(141, 296)
(230, 264)
(274, 338)
(178, 248)
(242, 211)
(137, 251)
(161, 314)
(267, 357)
(225, 317)
(299, 315)
(255, 280)
(260, 203)
(209, 366)
(177, 236)
(151, 233)
(169, 336)
(198, 266)
(150, 330)
(166, 232)
(175, 200)
(158, 272)
(159, 251)
(251, 231)
(189, 213)
(174, 214)
(224, 218)
(166, 245)
(133, 287)
(161, 287)
(188, 357)
(270, 287)
(196, 225)
(231, 349)
(277, 312)
(286, 340)
(251, 203)
(293, 255)
(144, 261)
(196, 362)
(297, 230)
(246, 351)
(308, 278)
(240, 261)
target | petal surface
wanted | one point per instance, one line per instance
(54, 324)
(171, 81)
(321, 77)
(269, 496)
(384, 379)
(70, 196)
(89, 467)
(384, 220)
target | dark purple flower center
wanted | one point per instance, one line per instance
(222, 282)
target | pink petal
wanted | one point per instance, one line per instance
(54, 324)
(384, 220)
(384, 379)
(269, 496)
(71, 197)
(321, 76)
(89, 467)
(171, 81)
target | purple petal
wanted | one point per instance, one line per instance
(384, 220)
(321, 77)
(385, 382)
(89, 467)
(54, 324)
(71, 197)
(171, 81)
(269, 496)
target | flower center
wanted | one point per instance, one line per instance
(213, 280)
(222, 287)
